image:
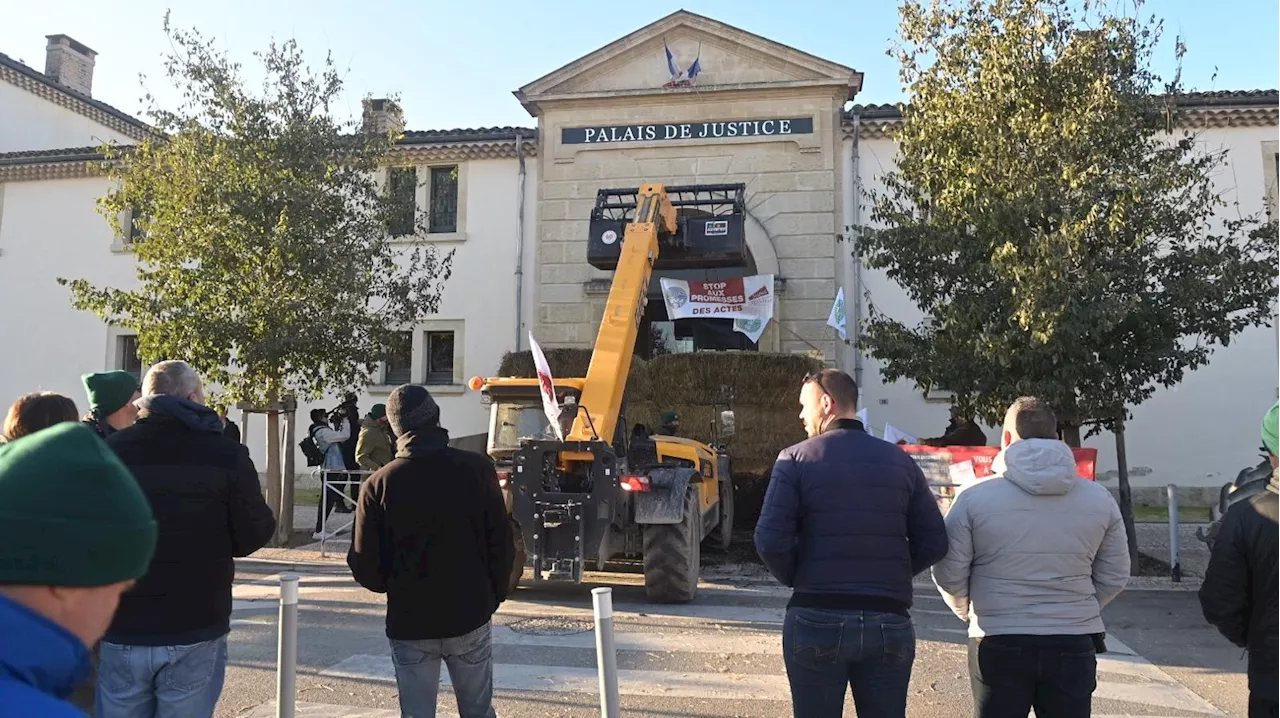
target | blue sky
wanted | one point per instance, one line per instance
(454, 64)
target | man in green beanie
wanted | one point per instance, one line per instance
(670, 424)
(373, 450)
(1239, 593)
(78, 533)
(111, 397)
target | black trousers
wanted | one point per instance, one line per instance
(1262, 707)
(330, 500)
(1011, 675)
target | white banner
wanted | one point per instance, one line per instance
(546, 384)
(739, 298)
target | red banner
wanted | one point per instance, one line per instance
(946, 468)
(980, 458)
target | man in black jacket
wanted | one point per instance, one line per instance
(431, 532)
(166, 650)
(1239, 593)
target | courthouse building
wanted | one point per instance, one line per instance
(515, 203)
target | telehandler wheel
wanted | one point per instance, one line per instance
(517, 566)
(722, 535)
(672, 557)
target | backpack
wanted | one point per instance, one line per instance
(315, 456)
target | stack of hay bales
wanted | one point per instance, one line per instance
(762, 389)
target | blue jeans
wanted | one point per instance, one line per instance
(160, 681)
(469, 658)
(871, 653)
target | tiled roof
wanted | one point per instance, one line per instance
(1233, 98)
(41, 84)
(477, 134)
(1217, 98)
(63, 154)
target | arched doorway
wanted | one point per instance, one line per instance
(660, 335)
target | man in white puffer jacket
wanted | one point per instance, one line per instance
(1035, 553)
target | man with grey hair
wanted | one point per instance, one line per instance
(1035, 552)
(165, 652)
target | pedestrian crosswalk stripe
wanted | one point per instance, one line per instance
(738, 643)
(701, 612)
(569, 679)
(1160, 688)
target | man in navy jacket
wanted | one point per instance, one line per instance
(848, 521)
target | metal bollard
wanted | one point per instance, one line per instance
(1175, 566)
(606, 651)
(287, 653)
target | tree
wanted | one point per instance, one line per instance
(1052, 219)
(264, 257)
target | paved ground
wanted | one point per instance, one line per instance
(718, 656)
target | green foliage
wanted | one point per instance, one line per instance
(1056, 225)
(265, 258)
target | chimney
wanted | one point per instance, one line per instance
(382, 115)
(69, 63)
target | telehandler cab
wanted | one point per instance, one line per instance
(604, 491)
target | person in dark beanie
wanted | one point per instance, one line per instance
(77, 533)
(204, 491)
(111, 396)
(432, 533)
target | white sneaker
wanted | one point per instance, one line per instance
(319, 536)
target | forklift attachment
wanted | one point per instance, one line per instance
(709, 227)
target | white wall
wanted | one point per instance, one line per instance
(1199, 433)
(50, 229)
(33, 123)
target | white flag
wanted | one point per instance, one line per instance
(893, 435)
(753, 328)
(836, 320)
(547, 386)
(862, 416)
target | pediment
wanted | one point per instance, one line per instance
(726, 56)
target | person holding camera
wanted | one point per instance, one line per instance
(329, 431)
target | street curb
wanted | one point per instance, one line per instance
(284, 564)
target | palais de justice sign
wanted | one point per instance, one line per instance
(685, 131)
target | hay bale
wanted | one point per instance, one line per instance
(747, 378)
(564, 362)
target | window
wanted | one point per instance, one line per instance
(439, 348)
(1271, 178)
(135, 232)
(443, 218)
(127, 355)
(402, 183)
(397, 364)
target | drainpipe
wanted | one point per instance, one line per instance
(855, 317)
(519, 240)
(847, 201)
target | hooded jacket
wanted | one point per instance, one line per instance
(40, 664)
(1238, 595)
(1035, 549)
(204, 492)
(373, 449)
